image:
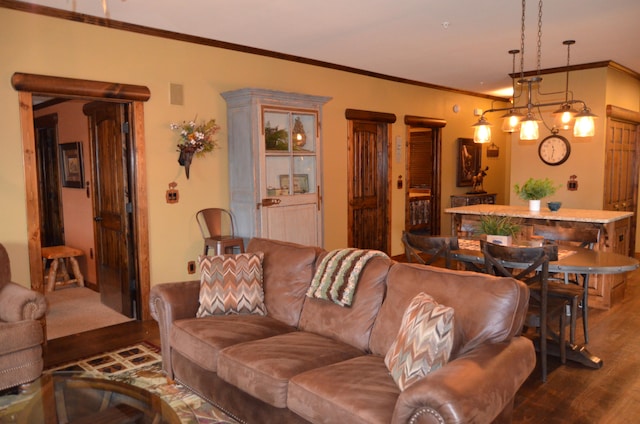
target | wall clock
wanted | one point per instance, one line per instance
(554, 150)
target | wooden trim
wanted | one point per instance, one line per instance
(365, 115)
(622, 114)
(31, 188)
(71, 87)
(139, 29)
(424, 122)
(593, 65)
(142, 207)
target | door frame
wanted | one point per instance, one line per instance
(436, 125)
(29, 84)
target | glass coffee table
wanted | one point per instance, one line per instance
(63, 397)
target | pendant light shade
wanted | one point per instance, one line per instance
(585, 125)
(511, 121)
(564, 117)
(529, 128)
(482, 131)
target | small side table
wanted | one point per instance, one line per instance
(58, 256)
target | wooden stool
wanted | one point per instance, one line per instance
(58, 256)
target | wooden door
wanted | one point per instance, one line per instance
(621, 170)
(50, 206)
(112, 205)
(368, 187)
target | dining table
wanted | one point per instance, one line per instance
(575, 260)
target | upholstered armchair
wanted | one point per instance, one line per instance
(21, 334)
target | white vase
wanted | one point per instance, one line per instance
(502, 240)
(534, 205)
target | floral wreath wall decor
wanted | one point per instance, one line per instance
(195, 139)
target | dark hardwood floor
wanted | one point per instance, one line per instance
(572, 394)
(77, 346)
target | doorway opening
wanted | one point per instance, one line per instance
(128, 99)
(423, 174)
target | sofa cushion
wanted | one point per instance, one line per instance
(355, 391)
(488, 309)
(351, 324)
(201, 339)
(264, 367)
(423, 343)
(231, 284)
(287, 271)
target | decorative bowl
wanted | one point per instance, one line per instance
(554, 206)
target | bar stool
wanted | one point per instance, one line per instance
(218, 231)
(59, 255)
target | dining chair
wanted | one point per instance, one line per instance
(572, 289)
(531, 265)
(218, 231)
(427, 250)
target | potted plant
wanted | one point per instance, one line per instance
(535, 189)
(499, 229)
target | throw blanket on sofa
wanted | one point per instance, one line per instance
(337, 276)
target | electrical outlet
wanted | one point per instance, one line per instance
(191, 267)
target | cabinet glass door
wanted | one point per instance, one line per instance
(290, 152)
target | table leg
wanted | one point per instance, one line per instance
(576, 353)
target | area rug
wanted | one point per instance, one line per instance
(78, 309)
(141, 366)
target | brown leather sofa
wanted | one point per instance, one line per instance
(21, 334)
(311, 360)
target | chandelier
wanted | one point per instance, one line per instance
(565, 116)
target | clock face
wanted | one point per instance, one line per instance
(554, 150)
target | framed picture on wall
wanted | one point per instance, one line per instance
(469, 161)
(71, 165)
(300, 183)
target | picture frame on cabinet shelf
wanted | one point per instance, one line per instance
(71, 165)
(469, 161)
(300, 183)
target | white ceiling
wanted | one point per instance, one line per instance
(460, 44)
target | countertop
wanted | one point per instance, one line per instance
(564, 214)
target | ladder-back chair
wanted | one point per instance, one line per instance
(585, 238)
(530, 265)
(427, 250)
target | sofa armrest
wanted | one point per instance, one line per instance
(18, 303)
(170, 302)
(473, 388)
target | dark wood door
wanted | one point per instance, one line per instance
(368, 186)
(112, 206)
(621, 169)
(50, 207)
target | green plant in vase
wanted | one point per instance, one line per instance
(499, 229)
(535, 189)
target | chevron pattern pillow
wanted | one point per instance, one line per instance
(231, 284)
(423, 343)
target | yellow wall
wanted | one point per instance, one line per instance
(42, 45)
(586, 159)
